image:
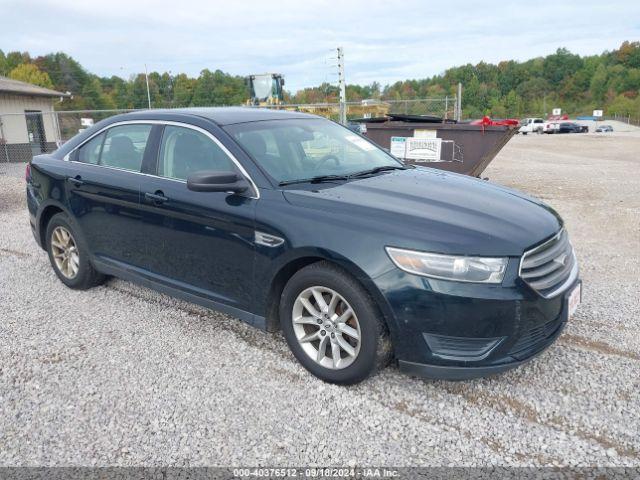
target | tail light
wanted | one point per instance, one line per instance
(27, 173)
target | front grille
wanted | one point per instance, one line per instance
(549, 267)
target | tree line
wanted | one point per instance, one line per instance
(577, 84)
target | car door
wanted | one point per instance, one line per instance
(104, 192)
(199, 242)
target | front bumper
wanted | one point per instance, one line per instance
(443, 372)
(455, 331)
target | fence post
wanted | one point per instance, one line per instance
(4, 144)
(59, 139)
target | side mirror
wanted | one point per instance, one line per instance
(214, 181)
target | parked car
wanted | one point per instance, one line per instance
(290, 221)
(604, 128)
(551, 127)
(531, 125)
(572, 127)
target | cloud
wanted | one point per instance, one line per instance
(382, 41)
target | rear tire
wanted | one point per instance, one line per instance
(330, 342)
(69, 255)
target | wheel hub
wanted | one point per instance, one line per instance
(326, 327)
(64, 252)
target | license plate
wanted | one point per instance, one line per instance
(575, 297)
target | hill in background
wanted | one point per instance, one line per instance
(609, 81)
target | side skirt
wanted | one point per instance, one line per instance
(138, 276)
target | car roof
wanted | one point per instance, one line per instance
(232, 115)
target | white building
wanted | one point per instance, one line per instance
(28, 124)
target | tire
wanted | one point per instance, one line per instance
(370, 352)
(77, 272)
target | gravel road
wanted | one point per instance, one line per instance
(121, 375)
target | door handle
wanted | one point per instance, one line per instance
(157, 197)
(76, 181)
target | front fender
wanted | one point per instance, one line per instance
(272, 273)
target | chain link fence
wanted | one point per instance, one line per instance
(444, 107)
(23, 135)
(628, 119)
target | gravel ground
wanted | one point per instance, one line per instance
(121, 375)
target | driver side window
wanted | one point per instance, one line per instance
(184, 151)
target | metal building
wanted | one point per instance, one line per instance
(28, 124)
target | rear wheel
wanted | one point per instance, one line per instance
(69, 255)
(332, 325)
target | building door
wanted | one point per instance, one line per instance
(35, 131)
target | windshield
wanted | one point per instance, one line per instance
(301, 149)
(264, 86)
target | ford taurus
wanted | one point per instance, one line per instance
(292, 222)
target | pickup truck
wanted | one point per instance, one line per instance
(531, 125)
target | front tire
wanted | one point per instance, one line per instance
(332, 325)
(69, 255)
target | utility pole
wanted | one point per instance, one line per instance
(146, 76)
(459, 103)
(343, 87)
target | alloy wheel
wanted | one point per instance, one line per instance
(65, 252)
(326, 327)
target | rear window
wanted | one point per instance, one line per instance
(121, 147)
(90, 151)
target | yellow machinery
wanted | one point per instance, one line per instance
(266, 89)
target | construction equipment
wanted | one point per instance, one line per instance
(265, 89)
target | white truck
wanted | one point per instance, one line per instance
(531, 125)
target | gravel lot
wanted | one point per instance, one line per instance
(121, 375)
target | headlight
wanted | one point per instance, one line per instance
(449, 267)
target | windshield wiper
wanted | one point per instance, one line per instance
(317, 179)
(373, 171)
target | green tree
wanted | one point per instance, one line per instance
(139, 92)
(66, 74)
(513, 104)
(14, 59)
(94, 97)
(560, 65)
(3, 64)
(598, 84)
(629, 54)
(183, 88)
(27, 72)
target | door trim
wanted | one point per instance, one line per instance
(244, 172)
(165, 285)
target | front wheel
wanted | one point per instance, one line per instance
(332, 325)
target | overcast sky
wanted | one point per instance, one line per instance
(383, 40)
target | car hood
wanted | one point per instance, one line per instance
(428, 209)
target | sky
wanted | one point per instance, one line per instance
(383, 41)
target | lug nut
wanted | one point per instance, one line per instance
(319, 320)
(333, 335)
(323, 333)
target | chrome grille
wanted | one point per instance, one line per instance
(550, 268)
